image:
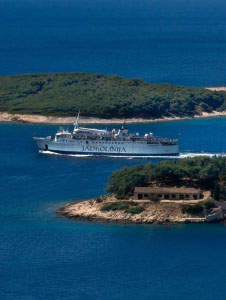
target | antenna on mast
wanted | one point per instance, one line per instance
(123, 124)
(77, 119)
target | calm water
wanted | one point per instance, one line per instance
(47, 257)
(176, 41)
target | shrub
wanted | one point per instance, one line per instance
(209, 203)
(135, 210)
(191, 209)
(114, 206)
(98, 200)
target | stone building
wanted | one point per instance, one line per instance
(167, 193)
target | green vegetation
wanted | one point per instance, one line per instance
(191, 209)
(197, 208)
(204, 172)
(128, 207)
(96, 95)
(210, 203)
(98, 200)
(115, 206)
(122, 182)
(135, 210)
(219, 191)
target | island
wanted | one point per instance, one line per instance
(57, 98)
(190, 190)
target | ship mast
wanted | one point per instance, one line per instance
(76, 122)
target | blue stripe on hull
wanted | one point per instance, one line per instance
(111, 154)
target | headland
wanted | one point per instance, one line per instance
(56, 98)
(109, 209)
(191, 190)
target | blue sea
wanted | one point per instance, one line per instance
(44, 256)
(177, 41)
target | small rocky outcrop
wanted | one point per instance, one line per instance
(151, 212)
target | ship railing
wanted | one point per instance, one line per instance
(156, 140)
(152, 140)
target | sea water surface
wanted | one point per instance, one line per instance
(43, 256)
(175, 41)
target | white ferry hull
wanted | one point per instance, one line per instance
(111, 148)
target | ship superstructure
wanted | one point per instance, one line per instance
(103, 142)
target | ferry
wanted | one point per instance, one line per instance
(117, 142)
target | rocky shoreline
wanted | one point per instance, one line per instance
(40, 119)
(153, 213)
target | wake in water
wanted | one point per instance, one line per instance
(181, 155)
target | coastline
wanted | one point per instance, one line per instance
(40, 119)
(153, 213)
(217, 88)
(6, 117)
(89, 210)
